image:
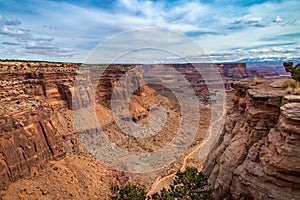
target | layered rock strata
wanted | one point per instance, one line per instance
(36, 105)
(35, 98)
(258, 154)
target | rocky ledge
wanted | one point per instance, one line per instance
(258, 154)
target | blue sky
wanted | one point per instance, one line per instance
(227, 30)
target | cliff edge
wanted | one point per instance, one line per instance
(258, 154)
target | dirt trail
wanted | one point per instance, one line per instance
(160, 180)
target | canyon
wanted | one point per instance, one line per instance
(42, 153)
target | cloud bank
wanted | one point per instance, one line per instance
(69, 30)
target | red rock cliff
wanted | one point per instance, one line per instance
(34, 98)
(258, 154)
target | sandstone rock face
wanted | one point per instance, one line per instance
(36, 104)
(34, 99)
(26, 144)
(258, 154)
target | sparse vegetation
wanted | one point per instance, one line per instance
(294, 70)
(297, 90)
(288, 83)
(131, 192)
(292, 86)
(289, 90)
(188, 185)
(257, 80)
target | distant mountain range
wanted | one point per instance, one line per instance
(271, 64)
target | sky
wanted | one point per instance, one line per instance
(227, 30)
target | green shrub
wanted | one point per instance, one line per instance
(191, 185)
(187, 185)
(294, 70)
(130, 192)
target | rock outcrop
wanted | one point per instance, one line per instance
(258, 154)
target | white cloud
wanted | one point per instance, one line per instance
(12, 31)
(277, 19)
(80, 28)
(281, 52)
(29, 43)
(248, 20)
(13, 51)
(49, 50)
(12, 22)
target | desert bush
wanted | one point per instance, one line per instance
(288, 83)
(292, 86)
(289, 90)
(297, 91)
(257, 80)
